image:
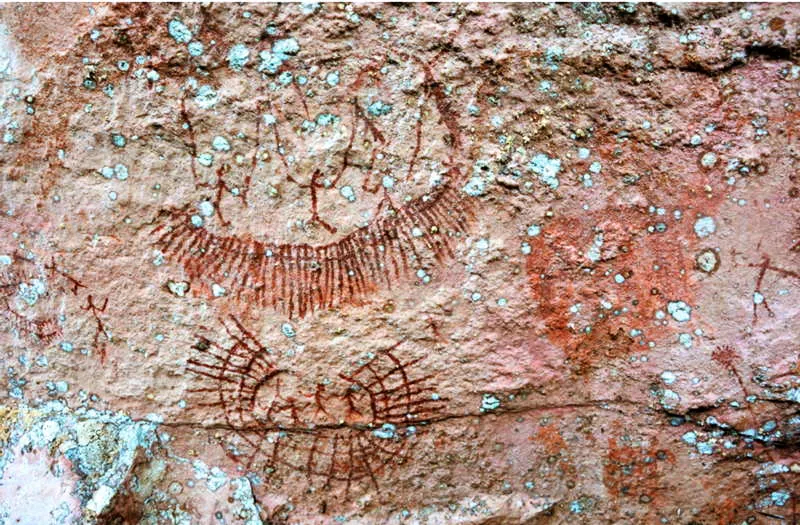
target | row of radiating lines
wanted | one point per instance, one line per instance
(299, 278)
(342, 454)
(236, 372)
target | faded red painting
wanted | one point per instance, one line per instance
(399, 263)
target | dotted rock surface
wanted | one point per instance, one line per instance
(399, 263)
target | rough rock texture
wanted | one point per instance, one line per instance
(399, 263)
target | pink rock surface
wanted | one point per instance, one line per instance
(334, 263)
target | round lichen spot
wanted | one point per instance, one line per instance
(221, 143)
(179, 32)
(680, 311)
(709, 160)
(707, 261)
(195, 48)
(705, 226)
(238, 56)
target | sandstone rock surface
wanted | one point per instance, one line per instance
(399, 263)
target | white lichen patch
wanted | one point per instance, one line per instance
(178, 288)
(288, 330)
(243, 494)
(475, 187)
(195, 48)
(220, 143)
(680, 311)
(709, 159)
(214, 477)
(668, 377)
(179, 32)
(533, 230)
(547, 169)
(482, 175)
(282, 50)
(205, 159)
(489, 403)
(348, 193)
(707, 261)
(593, 253)
(206, 97)
(238, 56)
(31, 291)
(387, 431)
(206, 208)
(704, 226)
(669, 399)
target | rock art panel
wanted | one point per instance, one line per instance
(346, 429)
(399, 148)
(399, 263)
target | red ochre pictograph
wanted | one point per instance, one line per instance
(24, 282)
(21, 280)
(764, 266)
(349, 429)
(45, 330)
(398, 148)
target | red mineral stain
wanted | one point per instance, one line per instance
(550, 438)
(561, 276)
(726, 511)
(635, 472)
(555, 449)
(599, 275)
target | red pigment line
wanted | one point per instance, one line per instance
(365, 461)
(244, 273)
(310, 463)
(387, 239)
(368, 366)
(405, 232)
(354, 285)
(328, 270)
(307, 255)
(275, 274)
(306, 279)
(401, 250)
(192, 141)
(281, 271)
(291, 262)
(441, 249)
(346, 155)
(301, 280)
(368, 257)
(260, 272)
(319, 300)
(410, 383)
(416, 148)
(350, 470)
(373, 406)
(379, 256)
(338, 273)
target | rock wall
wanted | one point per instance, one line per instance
(399, 263)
